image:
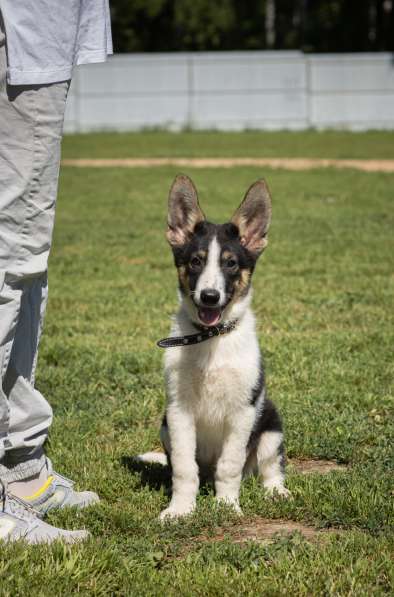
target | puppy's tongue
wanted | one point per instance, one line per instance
(209, 316)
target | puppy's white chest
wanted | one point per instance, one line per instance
(215, 398)
(216, 394)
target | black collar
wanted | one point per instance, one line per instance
(205, 333)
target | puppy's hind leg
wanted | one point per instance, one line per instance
(158, 457)
(270, 463)
(153, 458)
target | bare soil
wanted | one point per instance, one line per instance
(283, 163)
(260, 530)
(265, 530)
(323, 467)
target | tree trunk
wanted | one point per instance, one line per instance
(270, 34)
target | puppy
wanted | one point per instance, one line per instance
(219, 422)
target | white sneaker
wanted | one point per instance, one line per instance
(58, 492)
(19, 521)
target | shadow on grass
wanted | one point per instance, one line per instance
(152, 475)
(155, 476)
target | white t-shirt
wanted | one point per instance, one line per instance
(46, 38)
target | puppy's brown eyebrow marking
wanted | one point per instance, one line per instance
(183, 279)
(227, 254)
(201, 253)
(242, 284)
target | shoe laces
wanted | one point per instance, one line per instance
(16, 505)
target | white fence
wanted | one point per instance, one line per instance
(234, 91)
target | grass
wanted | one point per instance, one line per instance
(305, 144)
(324, 302)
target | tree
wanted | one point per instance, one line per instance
(309, 25)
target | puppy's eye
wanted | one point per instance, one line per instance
(195, 263)
(231, 264)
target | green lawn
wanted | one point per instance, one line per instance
(311, 144)
(324, 301)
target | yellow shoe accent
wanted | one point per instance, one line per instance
(41, 490)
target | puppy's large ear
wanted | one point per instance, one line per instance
(184, 211)
(253, 217)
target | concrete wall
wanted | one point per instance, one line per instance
(234, 91)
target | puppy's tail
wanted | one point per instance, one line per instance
(153, 457)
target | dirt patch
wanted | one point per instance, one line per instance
(284, 163)
(262, 529)
(265, 530)
(306, 467)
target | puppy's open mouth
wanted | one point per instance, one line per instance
(209, 316)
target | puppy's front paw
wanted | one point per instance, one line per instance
(278, 492)
(233, 503)
(173, 512)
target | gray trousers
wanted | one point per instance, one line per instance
(31, 124)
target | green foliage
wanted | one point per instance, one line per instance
(203, 24)
(318, 26)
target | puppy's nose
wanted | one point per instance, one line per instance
(210, 297)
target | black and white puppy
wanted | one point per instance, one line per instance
(218, 419)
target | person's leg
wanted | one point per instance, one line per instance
(30, 136)
(29, 161)
(29, 414)
(31, 126)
